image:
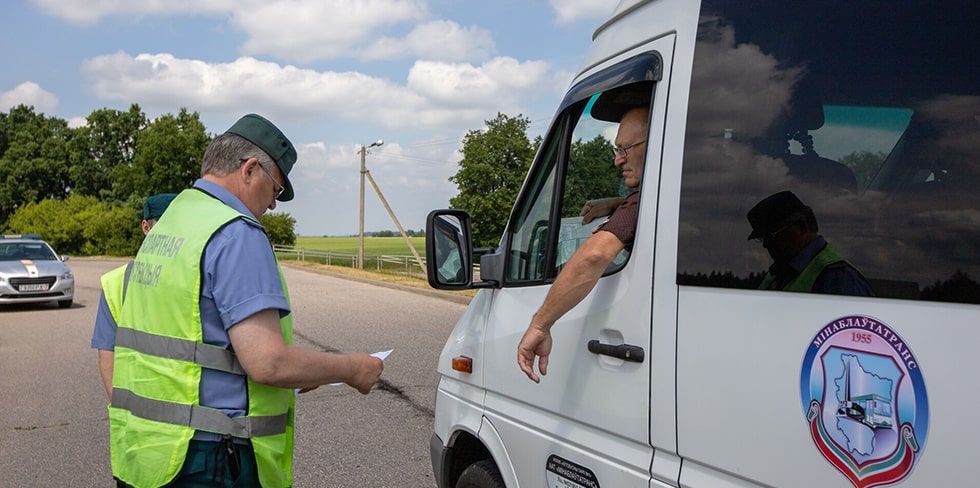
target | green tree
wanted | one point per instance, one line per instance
(81, 224)
(34, 159)
(167, 158)
(108, 140)
(591, 174)
(490, 174)
(864, 165)
(279, 226)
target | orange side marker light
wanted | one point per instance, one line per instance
(463, 364)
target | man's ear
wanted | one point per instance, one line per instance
(247, 169)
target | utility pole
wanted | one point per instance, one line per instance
(360, 248)
(391, 213)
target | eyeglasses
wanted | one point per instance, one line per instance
(267, 173)
(620, 151)
(772, 235)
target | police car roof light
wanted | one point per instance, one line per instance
(21, 236)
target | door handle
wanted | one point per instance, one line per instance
(626, 352)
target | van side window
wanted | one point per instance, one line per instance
(529, 241)
(557, 194)
(822, 165)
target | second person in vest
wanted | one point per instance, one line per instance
(802, 260)
(114, 288)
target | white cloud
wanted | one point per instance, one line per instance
(463, 84)
(91, 11)
(437, 94)
(29, 93)
(297, 30)
(307, 30)
(439, 40)
(569, 11)
(76, 122)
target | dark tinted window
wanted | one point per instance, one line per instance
(869, 112)
(15, 251)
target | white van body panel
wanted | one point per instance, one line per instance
(466, 340)
(459, 408)
(727, 337)
(491, 439)
(636, 22)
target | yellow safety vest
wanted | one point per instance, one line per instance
(160, 352)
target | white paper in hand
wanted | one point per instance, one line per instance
(382, 355)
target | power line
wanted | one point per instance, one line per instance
(432, 162)
(457, 140)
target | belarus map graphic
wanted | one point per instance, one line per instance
(865, 404)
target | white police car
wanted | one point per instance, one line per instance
(31, 272)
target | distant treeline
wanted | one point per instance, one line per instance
(82, 188)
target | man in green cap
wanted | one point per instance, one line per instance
(204, 370)
(113, 290)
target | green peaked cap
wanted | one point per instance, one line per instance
(267, 136)
(154, 206)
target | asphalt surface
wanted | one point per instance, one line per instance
(54, 428)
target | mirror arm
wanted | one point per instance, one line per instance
(480, 251)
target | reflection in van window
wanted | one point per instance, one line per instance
(867, 127)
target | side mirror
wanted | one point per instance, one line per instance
(448, 250)
(64, 257)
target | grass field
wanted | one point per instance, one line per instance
(372, 245)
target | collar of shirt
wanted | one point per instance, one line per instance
(224, 195)
(794, 267)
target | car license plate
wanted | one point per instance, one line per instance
(34, 287)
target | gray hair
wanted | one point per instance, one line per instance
(226, 152)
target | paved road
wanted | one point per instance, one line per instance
(54, 432)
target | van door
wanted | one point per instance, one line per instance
(828, 267)
(587, 421)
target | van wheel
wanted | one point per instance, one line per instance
(65, 303)
(483, 474)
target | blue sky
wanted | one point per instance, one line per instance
(333, 74)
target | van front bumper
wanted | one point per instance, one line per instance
(440, 461)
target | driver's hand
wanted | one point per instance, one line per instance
(535, 343)
(599, 207)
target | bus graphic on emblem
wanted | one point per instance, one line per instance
(864, 401)
(870, 409)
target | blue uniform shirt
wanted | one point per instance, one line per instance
(231, 291)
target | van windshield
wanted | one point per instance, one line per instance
(868, 112)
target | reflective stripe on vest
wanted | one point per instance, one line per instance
(198, 417)
(202, 354)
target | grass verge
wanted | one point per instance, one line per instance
(375, 276)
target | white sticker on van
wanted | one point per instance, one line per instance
(562, 473)
(864, 400)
